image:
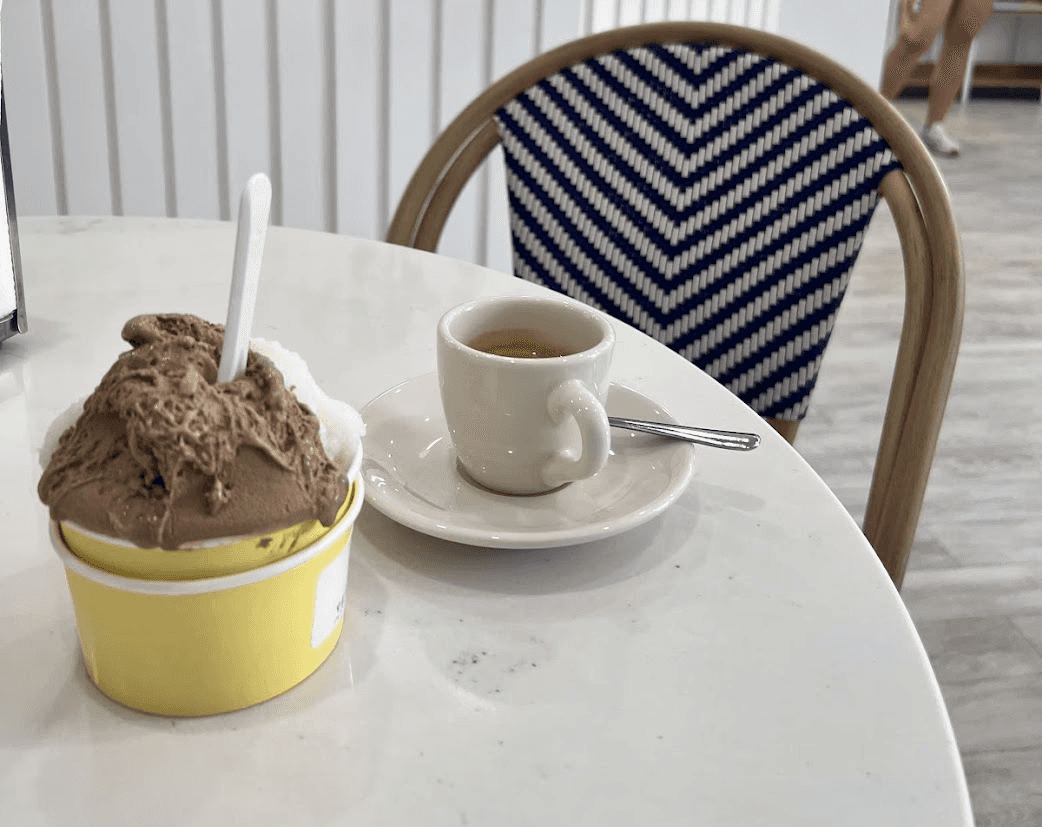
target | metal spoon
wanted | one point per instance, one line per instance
(731, 440)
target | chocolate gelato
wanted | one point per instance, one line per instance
(164, 456)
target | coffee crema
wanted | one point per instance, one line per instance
(518, 343)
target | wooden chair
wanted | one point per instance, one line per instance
(556, 239)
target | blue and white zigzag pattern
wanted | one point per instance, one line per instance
(712, 198)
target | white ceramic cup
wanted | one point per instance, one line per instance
(526, 425)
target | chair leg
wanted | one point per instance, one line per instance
(967, 78)
(786, 427)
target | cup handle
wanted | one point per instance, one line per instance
(573, 398)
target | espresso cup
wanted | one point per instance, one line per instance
(523, 383)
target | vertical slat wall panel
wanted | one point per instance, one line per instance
(302, 101)
(329, 159)
(108, 79)
(27, 97)
(220, 93)
(479, 41)
(510, 48)
(677, 10)
(512, 24)
(166, 114)
(463, 41)
(757, 14)
(754, 13)
(50, 49)
(698, 9)
(481, 227)
(538, 16)
(719, 10)
(560, 21)
(226, 121)
(655, 10)
(138, 122)
(586, 21)
(410, 99)
(198, 178)
(772, 15)
(383, 137)
(357, 34)
(630, 12)
(271, 65)
(437, 59)
(77, 35)
(604, 14)
(245, 28)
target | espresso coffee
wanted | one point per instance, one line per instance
(517, 343)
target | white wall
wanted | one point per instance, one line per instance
(319, 139)
(851, 32)
(854, 32)
(1010, 39)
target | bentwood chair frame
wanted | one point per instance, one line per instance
(916, 196)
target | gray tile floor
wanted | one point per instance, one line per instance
(974, 585)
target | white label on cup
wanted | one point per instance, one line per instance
(330, 594)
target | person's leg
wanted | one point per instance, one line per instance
(921, 20)
(966, 19)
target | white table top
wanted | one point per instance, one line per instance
(741, 660)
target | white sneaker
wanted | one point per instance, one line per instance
(938, 142)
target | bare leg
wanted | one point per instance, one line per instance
(966, 19)
(921, 20)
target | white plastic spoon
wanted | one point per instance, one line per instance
(254, 206)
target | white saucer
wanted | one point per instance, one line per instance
(410, 472)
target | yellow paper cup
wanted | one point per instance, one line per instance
(214, 558)
(213, 644)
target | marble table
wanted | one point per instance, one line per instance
(741, 659)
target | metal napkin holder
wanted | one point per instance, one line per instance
(15, 322)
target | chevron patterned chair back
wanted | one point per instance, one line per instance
(711, 185)
(713, 198)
